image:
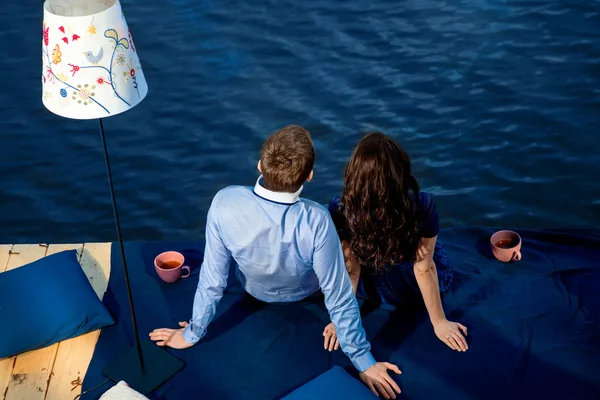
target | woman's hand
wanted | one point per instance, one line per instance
(331, 341)
(452, 333)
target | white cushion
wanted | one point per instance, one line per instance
(122, 392)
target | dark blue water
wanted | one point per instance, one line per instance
(496, 101)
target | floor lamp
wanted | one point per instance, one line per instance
(91, 70)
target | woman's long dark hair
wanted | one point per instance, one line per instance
(377, 202)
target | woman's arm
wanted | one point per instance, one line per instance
(352, 265)
(427, 279)
(353, 268)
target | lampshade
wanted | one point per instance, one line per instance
(90, 64)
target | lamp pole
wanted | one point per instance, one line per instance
(120, 239)
(145, 366)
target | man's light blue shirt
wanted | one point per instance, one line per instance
(285, 249)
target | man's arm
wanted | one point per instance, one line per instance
(328, 263)
(212, 281)
(211, 284)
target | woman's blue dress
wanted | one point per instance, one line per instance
(397, 283)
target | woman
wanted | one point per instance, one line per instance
(389, 230)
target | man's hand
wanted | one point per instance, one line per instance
(452, 333)
(377, 379)
(171, 337)
(331, 341)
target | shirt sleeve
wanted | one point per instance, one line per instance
(430, 223)
(338, 218)
(328, 263)
(213, 278)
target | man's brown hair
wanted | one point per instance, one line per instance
(287, 158)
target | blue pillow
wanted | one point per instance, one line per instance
(333, 384)
(45, 302)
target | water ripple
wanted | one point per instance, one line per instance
(496, 102)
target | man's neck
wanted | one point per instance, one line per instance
(277, 197)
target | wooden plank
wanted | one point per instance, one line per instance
(22, 254)
(57, 248)
(6, 368)
(72, 361)
(74, 355)
(4, 255)
(95, 261)
(6, 364)
(31, 370)
(29, 379)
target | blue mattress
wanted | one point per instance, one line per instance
(534, 327)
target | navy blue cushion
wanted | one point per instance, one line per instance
(333, 384)
(45, 302)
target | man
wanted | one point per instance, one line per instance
(285, 248)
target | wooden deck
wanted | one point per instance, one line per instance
(54, 372)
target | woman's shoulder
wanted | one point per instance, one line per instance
(428, 215)
(425, 196)
(426, 200)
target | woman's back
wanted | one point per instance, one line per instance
(396, 282)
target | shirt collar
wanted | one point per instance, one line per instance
(277, 197)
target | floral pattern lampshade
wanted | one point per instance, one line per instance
(90, 64)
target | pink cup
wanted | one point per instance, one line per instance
(506, 246)
(169, 266)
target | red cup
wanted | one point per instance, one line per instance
(506, 246)
(169, 266)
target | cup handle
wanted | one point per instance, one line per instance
(517, 256)
(189, 272)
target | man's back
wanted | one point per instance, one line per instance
(272, 238)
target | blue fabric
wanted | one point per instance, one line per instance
(534, 327)
(398, 283)
(333, 384)
(284, 252)
(47, 301)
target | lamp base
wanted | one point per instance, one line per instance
(159, 366)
